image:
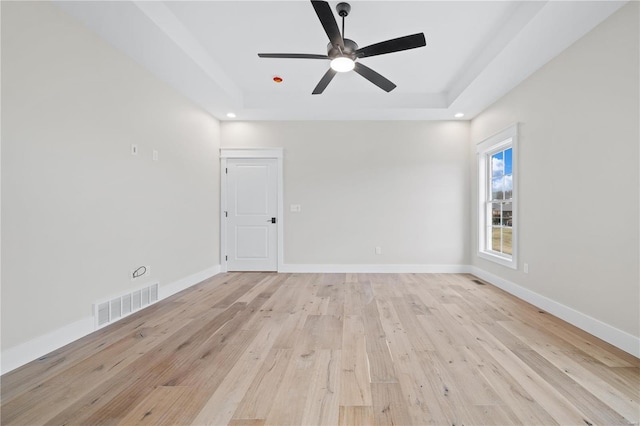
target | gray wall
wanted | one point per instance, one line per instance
(402, 186)
(578, 168)
(79, 212)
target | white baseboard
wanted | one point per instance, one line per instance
(186, 282)
(618, 338)
(23, 353)
(373, 268)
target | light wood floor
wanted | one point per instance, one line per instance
(303, 349)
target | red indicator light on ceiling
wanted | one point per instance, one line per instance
(277, 79)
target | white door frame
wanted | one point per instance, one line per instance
(225, 154)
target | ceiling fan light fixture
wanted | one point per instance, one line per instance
(342, 64)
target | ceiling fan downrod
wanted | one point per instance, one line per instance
(343, 11)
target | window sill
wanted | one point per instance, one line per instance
(501, 260)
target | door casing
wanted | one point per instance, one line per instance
(249, 153)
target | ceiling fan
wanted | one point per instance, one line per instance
(343, 52)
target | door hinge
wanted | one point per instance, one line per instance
(225, 214)
(226, 170)
(226, 258)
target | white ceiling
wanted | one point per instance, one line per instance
(476, 52)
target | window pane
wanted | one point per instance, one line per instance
(507, 240)
(508, 187)
(497, 188)
(508, 161)
(497, 164)
(496, 228)
(507, 215)
(496, 237)
(496, 214)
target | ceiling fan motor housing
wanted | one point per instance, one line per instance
(350, 48)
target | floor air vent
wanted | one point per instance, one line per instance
(478, 282)
(109, 311)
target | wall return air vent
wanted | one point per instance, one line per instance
(108, 311)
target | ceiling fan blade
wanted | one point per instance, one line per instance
(324, 81)
(374, 77)
(292, 55)
(393, 45)
(328, 21)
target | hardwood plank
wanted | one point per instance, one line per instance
(624, 404)
(321, 332)
(355, 388)
(583, 400)
(550, 399)
(322, 404)
(381, 369)
(220, 408)
(522, 404)
(246, 422)
(258, 400)
(159, 407)
(290, 400)
(389, 407)
(356, 415)
(425, 405)
(408, 318)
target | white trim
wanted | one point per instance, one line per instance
(226, 153)
(23, 353)
(186, 282)
(618, 338)
(504, 139)
(372, 268)
(251, 152)
(33, 349)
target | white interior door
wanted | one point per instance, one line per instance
(252, 223)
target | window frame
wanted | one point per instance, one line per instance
(503, 140)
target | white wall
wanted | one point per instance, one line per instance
(78, 211)
(402, 186)
(579, 182)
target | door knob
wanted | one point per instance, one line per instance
(272, 220)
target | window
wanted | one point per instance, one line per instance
(497, 219)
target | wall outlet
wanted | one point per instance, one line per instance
(155, 155)
(526, 268)
(378, 250)
(143, 271)
(295, 208)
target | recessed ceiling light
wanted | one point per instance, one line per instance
(459, 115)
(231, 115)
